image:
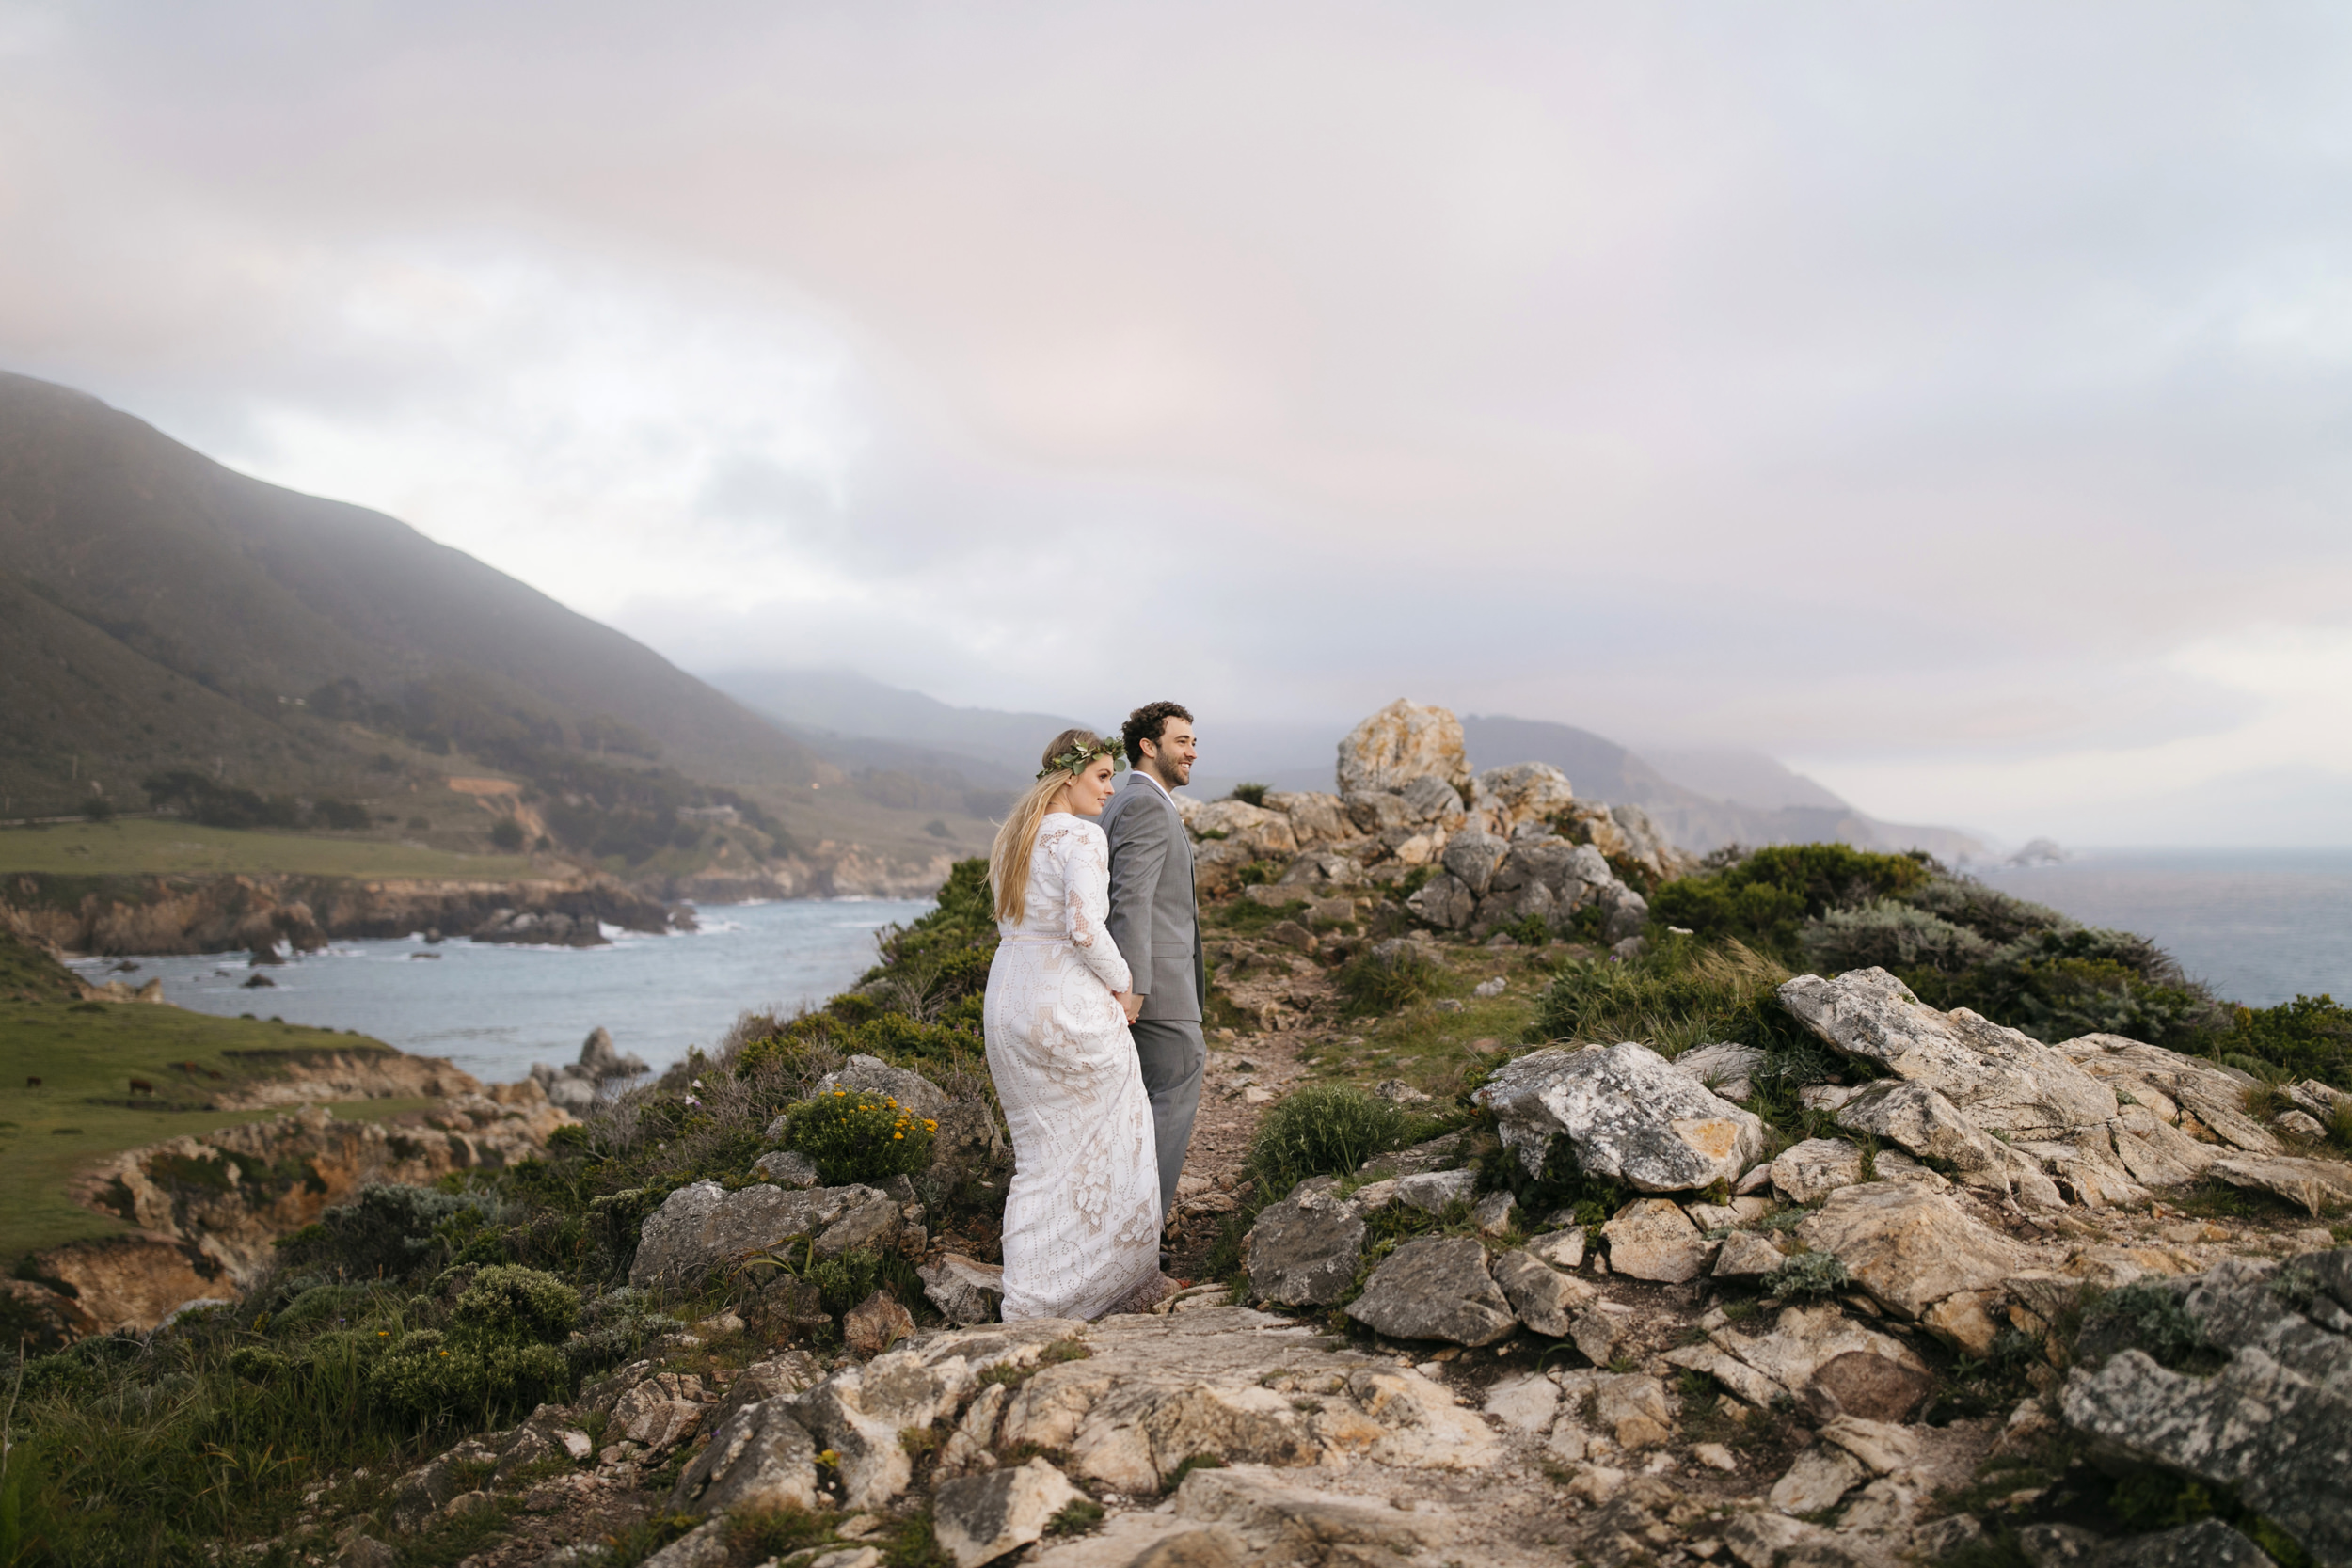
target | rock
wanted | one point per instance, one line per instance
(704, 1546)
(1651, 1238)
(871, 1074)
(1822, 1476)
(1403, 743)
(1886, 1505)
(1562, 1249)
(1723, 1069)
(1432, 1192)
(1630, 1406)
(1628, 1114)
(1882, 1447)
(964, 1290)
(1260, 832)
(1998, 1077)
(1290, 934)
(785, 1372)
(875, 1324)
(364, 1551)
(977, 1519)
(873, 1226)
(1445, 902)
(599, 1059)
(1811, 1171)
(1315, 819)
(1803, 1339)
(1434, 1287)
(1746, 1255)
(758, 1458)
(2207, 1543)
(1396, 1091)
(660, 1412)
(2273, 1423)
(1474, 857)
(1907, 1247)
(1527, 1402)
(786, 1167)
(704, 1226)
(2300, 1124)
(1929, 1125)
(1305, 1250)
(1871, 1388)
(1965, 1321)
(2312, 1184)
(1523, 796)
(1492, 1214)
(1625, 912)
(1541, 1296)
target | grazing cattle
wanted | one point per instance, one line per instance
(140, 1085)
(32, 1083)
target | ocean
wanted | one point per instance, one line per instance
(494, 1010)
(2260, 927)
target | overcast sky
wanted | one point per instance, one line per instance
(1951, 400)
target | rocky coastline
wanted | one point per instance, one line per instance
(1792, 1269)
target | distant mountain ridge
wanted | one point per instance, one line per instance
(842, 710)
(159, 612)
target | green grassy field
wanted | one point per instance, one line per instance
(114, 848)
(86, 1054)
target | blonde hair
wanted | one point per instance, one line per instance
(1016, 840)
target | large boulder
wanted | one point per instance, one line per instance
(977, 1519)
(1811, 1171)
(1316, 820)
(1909, 1247)
(1305, 1250)
(1474, 857)
(2274, 1423)
(1264, 834)
(1403, 743)
(1434, 1287)
(1628, 1114)
(760, 1458)
(1522, 794)
(872, 1075)
(964, 1290)
(1651, 1238)
(2172, 1088)
(1725, 1069)
(1999, 1079)
(1444, 901)
(704, 1226)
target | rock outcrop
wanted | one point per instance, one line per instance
(1628, 1114)
(704, 1227)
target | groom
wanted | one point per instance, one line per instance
(1157, 926)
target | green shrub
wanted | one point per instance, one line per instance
(504, 1301)
(1764, 900)
(1250, 794)
(390, 1232)
(1320, 1130)
(2308, 1038)
(441, 1380)
(895, 1035)
(1385, 977)
(1893, 936)
(856, 1136)
(1679, 996)
(1807, 1277)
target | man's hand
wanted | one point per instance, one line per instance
(1131, 1004)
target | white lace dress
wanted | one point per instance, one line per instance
(1082, 1222)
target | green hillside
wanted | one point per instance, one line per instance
(313, 664)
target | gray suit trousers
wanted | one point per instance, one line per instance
(1174, 1053)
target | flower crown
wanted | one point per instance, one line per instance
(1076, 759)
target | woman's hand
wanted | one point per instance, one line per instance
(1130, 1004)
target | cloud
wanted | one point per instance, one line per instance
(1951, 400)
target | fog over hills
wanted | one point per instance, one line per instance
(159, 612)
(1703, 799)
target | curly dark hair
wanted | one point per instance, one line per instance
(1149, 723)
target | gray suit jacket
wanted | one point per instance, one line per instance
(1153, 916)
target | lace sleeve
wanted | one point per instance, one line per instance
(1087, 903)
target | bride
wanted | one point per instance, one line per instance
(1082, 1220)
